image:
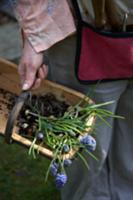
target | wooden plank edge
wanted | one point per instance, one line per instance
(42, 150)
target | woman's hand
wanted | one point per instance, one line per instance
(31, 68)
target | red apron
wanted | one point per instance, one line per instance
(102, 56)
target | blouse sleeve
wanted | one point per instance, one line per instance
(44, 22)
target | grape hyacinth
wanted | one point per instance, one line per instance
(66, 148)
(40, 136)
(60, 180)
(67, 162)
(61, 128)
(89, 142)
(54, 168)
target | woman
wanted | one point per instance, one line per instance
(45, 23)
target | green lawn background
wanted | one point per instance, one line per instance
(22, 177)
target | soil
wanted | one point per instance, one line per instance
(7, 100)
(45, 105)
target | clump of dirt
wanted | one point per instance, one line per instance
(45, 105)
(7, 101)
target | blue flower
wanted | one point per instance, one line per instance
(60, 180)
(40, 136)
(54, 168)
(67, 162)
(66, 148)
(89, 142)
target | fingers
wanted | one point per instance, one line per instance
(29, 65)
(21, 71)
(30, 77)
(42, 72)
(41, 75)
(37, 83)
(45, 70)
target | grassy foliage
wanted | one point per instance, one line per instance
(21, 177)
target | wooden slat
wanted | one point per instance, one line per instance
(7, 66)
(9, 80)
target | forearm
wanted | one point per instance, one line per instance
(44, 22)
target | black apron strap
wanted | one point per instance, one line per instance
(77, 10)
